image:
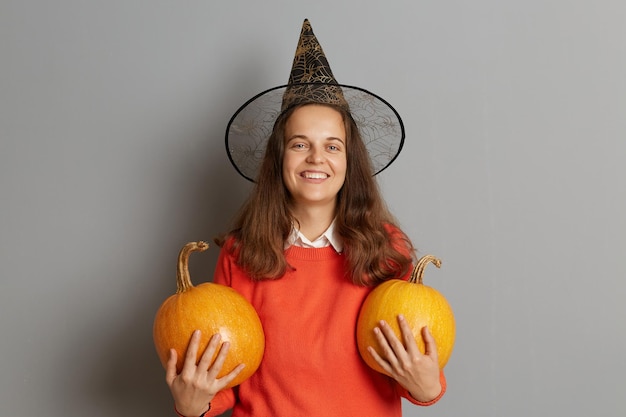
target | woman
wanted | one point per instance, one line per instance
(313, 239)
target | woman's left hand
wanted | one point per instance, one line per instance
(416, 371)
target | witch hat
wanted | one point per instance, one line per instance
(312, 81)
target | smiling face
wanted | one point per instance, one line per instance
(314, 162)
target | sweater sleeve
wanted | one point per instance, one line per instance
(404, 393)
(223, 401)
(223, 268)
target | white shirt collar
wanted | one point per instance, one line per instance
(328, 238)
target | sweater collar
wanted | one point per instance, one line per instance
(328, 238)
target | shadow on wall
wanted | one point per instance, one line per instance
(134, 382)
(129, 380)
(136, 379)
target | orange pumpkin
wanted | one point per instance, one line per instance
(420, 304)
(211, 308)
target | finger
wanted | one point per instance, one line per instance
(192, 350)
(216, 367)
(170, 369)
(430, 346)
(392, 340)
(226, 379)
(408, 338)
(209, 352)
(379, 360)
(385, 337)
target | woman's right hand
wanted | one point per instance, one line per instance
(196, 385)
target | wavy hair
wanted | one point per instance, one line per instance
(375, 248)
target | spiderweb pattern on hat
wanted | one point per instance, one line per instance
(380, 126)
(312, 81)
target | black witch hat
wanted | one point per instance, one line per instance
(311, 81)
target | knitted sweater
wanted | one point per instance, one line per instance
(311, 366)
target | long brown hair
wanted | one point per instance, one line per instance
(374, 247)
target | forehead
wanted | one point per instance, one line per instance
(315, 118)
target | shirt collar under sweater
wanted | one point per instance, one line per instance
(328, 238)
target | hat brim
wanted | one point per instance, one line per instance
(250, 127)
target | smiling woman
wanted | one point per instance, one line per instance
(310, 243)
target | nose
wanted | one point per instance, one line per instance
(316, 155)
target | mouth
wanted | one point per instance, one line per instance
(311, 175)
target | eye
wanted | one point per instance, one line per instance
(336, 147)
(297, 146)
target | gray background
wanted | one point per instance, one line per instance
(112, 116)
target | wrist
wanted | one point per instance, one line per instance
(192, 414)
(426, 396)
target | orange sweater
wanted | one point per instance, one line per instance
(311, 366)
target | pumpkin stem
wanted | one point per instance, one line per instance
(183, 281)
(418, 271)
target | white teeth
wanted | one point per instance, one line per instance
(314, 175)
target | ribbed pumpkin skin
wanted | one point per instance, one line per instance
(211, 308)
(421, 305)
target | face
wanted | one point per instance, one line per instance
(314, 163)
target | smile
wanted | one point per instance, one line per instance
(314, 175)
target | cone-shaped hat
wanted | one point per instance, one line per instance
(312, 81)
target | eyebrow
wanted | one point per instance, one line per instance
(336, 139)
(328, 139)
